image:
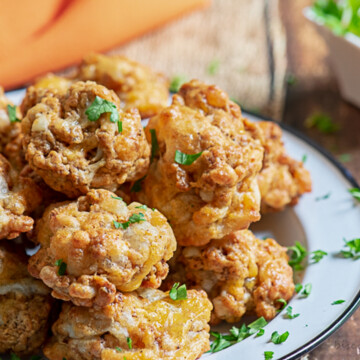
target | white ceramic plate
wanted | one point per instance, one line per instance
(318, 225)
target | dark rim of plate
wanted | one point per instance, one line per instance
(317, 340)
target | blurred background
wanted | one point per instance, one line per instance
(266, 54)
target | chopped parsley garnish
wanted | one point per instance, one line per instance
(317, 255)
(186, 159)
(154, 144)
(134, 218)
(298, 288)
(289, 313)
(144, 207)
(322, 122)
(261, 332)
(307, 290)
(178, 292)
(176, 83)
(118, 349)
(353, 251)
(62, 267)
(337, 302)
(12, 115)
(100, 106)
(137, 185)
(297, 256)
(283, 303)
(129, 342)
(304, 158)
(236, 335)
(213, 67)
(344, 158)
(355, 192)
(276, 338)
(237, 102)
(117, 198)
(268, 355)
(119, 126)
(323, 197)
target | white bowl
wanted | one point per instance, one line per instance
(344, 56)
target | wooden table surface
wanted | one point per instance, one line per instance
(315, 90)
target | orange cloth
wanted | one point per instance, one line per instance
(37, 36)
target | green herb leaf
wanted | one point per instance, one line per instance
(268, 355)
(137, 185)
(323, 197)
(276, 338)
(307, 290)
(317, 255)
(304, 158)
(117, 198)
(185, 159)
(119, 126)
(154, 144)
(355, 192)
(134, 218)
(100, 106)
(283, 303)
(176, 82)
(213, 67)
(353, 251)
(297, 256)
(118, 349)
(62, 267)
(289, 313)
(178, 292)
(298, 288)
(261, 332)
(12, 114)
(337, 302)
(322, 123)
(144, 207)
(129, 342)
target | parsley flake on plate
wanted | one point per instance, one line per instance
(178, 292)
(289, 313)
(318, 255)
(353, 251)
(337, 302)
(276, 338)
(298, 288)
(304, 158)
(283, 303)
(307, 290)
(134, 218)
(100, 106)
(323, 197)
(268, 355)
(12, 114)
(355, 192)
(186, 159)
(129, 342)
(62, 267)
(154, 144)
(176, 82)
(297, 256)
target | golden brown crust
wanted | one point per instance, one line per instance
(239, 272)
(160, 328)
(100, 257)
(217, 193)
(19, 196)
(282, 179)
(73, 154)
(135, 84)
(24, 304)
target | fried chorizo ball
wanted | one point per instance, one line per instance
(44, 86)
(10, 133)
(19, 196)
(97, 244)
(135, 84)
(159, 328)
(73, 154)
(25, 304)
(282, 179)
(217, 193)
(240, 273)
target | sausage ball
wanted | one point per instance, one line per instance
(73, 153)
(97, 244)
(240, 273)
(135, 84)
(282, 180)
(204, 168)
(156, 326)
(19, 196)
(25, 304)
